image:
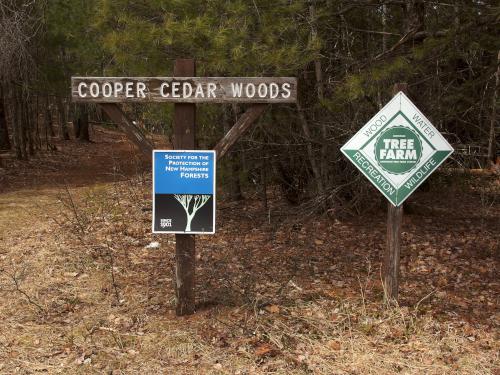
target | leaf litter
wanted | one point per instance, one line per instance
(290, 296)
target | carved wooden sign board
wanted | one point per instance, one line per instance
(184, 89)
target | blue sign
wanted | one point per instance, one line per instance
(183, 191)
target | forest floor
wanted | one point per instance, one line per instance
(82, 291)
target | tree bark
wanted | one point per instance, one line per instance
(492, 141)
(392, 253)
(81, 122)
(28, 119)
(36, 120)
(310, 151)
(47, 124)
(263, 179)
(4, 129)
(415, 13)
(238, 129)
(19, 125)
(231, 161)
(84, 129)
(384, 27)
(318, 70)
(11, 112)
(63, 120)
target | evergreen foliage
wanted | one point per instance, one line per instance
(346, 55)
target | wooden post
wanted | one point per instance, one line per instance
(238, 129)
(392, 252)
(393, 248)
(184, 138)
(133, 133)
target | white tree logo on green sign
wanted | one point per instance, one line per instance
(198, 202)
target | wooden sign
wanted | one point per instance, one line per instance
(184, 89)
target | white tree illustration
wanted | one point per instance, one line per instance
(198, 202)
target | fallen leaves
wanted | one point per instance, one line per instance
(333, 345)
(265, 349)
(273, 309)
(316, 322)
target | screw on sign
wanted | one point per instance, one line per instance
(184, 191)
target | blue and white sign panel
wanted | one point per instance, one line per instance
(183, 191)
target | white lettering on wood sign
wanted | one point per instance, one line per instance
(184, 89)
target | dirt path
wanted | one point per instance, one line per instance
(108, 158)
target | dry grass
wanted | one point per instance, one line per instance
(90, 298)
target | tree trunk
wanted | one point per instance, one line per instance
(28, 120)
(36, 119)
(384, 27)
(263, 178)
(392, 252)
(310, 151)
(492, 141)
(63, 120)
(4, 130)
(415, 15)
(19, 125)
(81, 122)
(76, 120)
(47, 124)
(232, 162)
(10, 108)
(48, 113)
(84, 129)
(318, 70)
(134, 133)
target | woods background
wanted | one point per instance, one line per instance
(345, 54)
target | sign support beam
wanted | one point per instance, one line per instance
(392, 252)
(238, 129)
(393, 248)
(185, 252)
(132, 132)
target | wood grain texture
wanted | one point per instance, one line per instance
(132, 132)
(185, 250)
(203, 89)
(238, 129)
(392, 253)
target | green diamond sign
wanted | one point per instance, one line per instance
(397, 149)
